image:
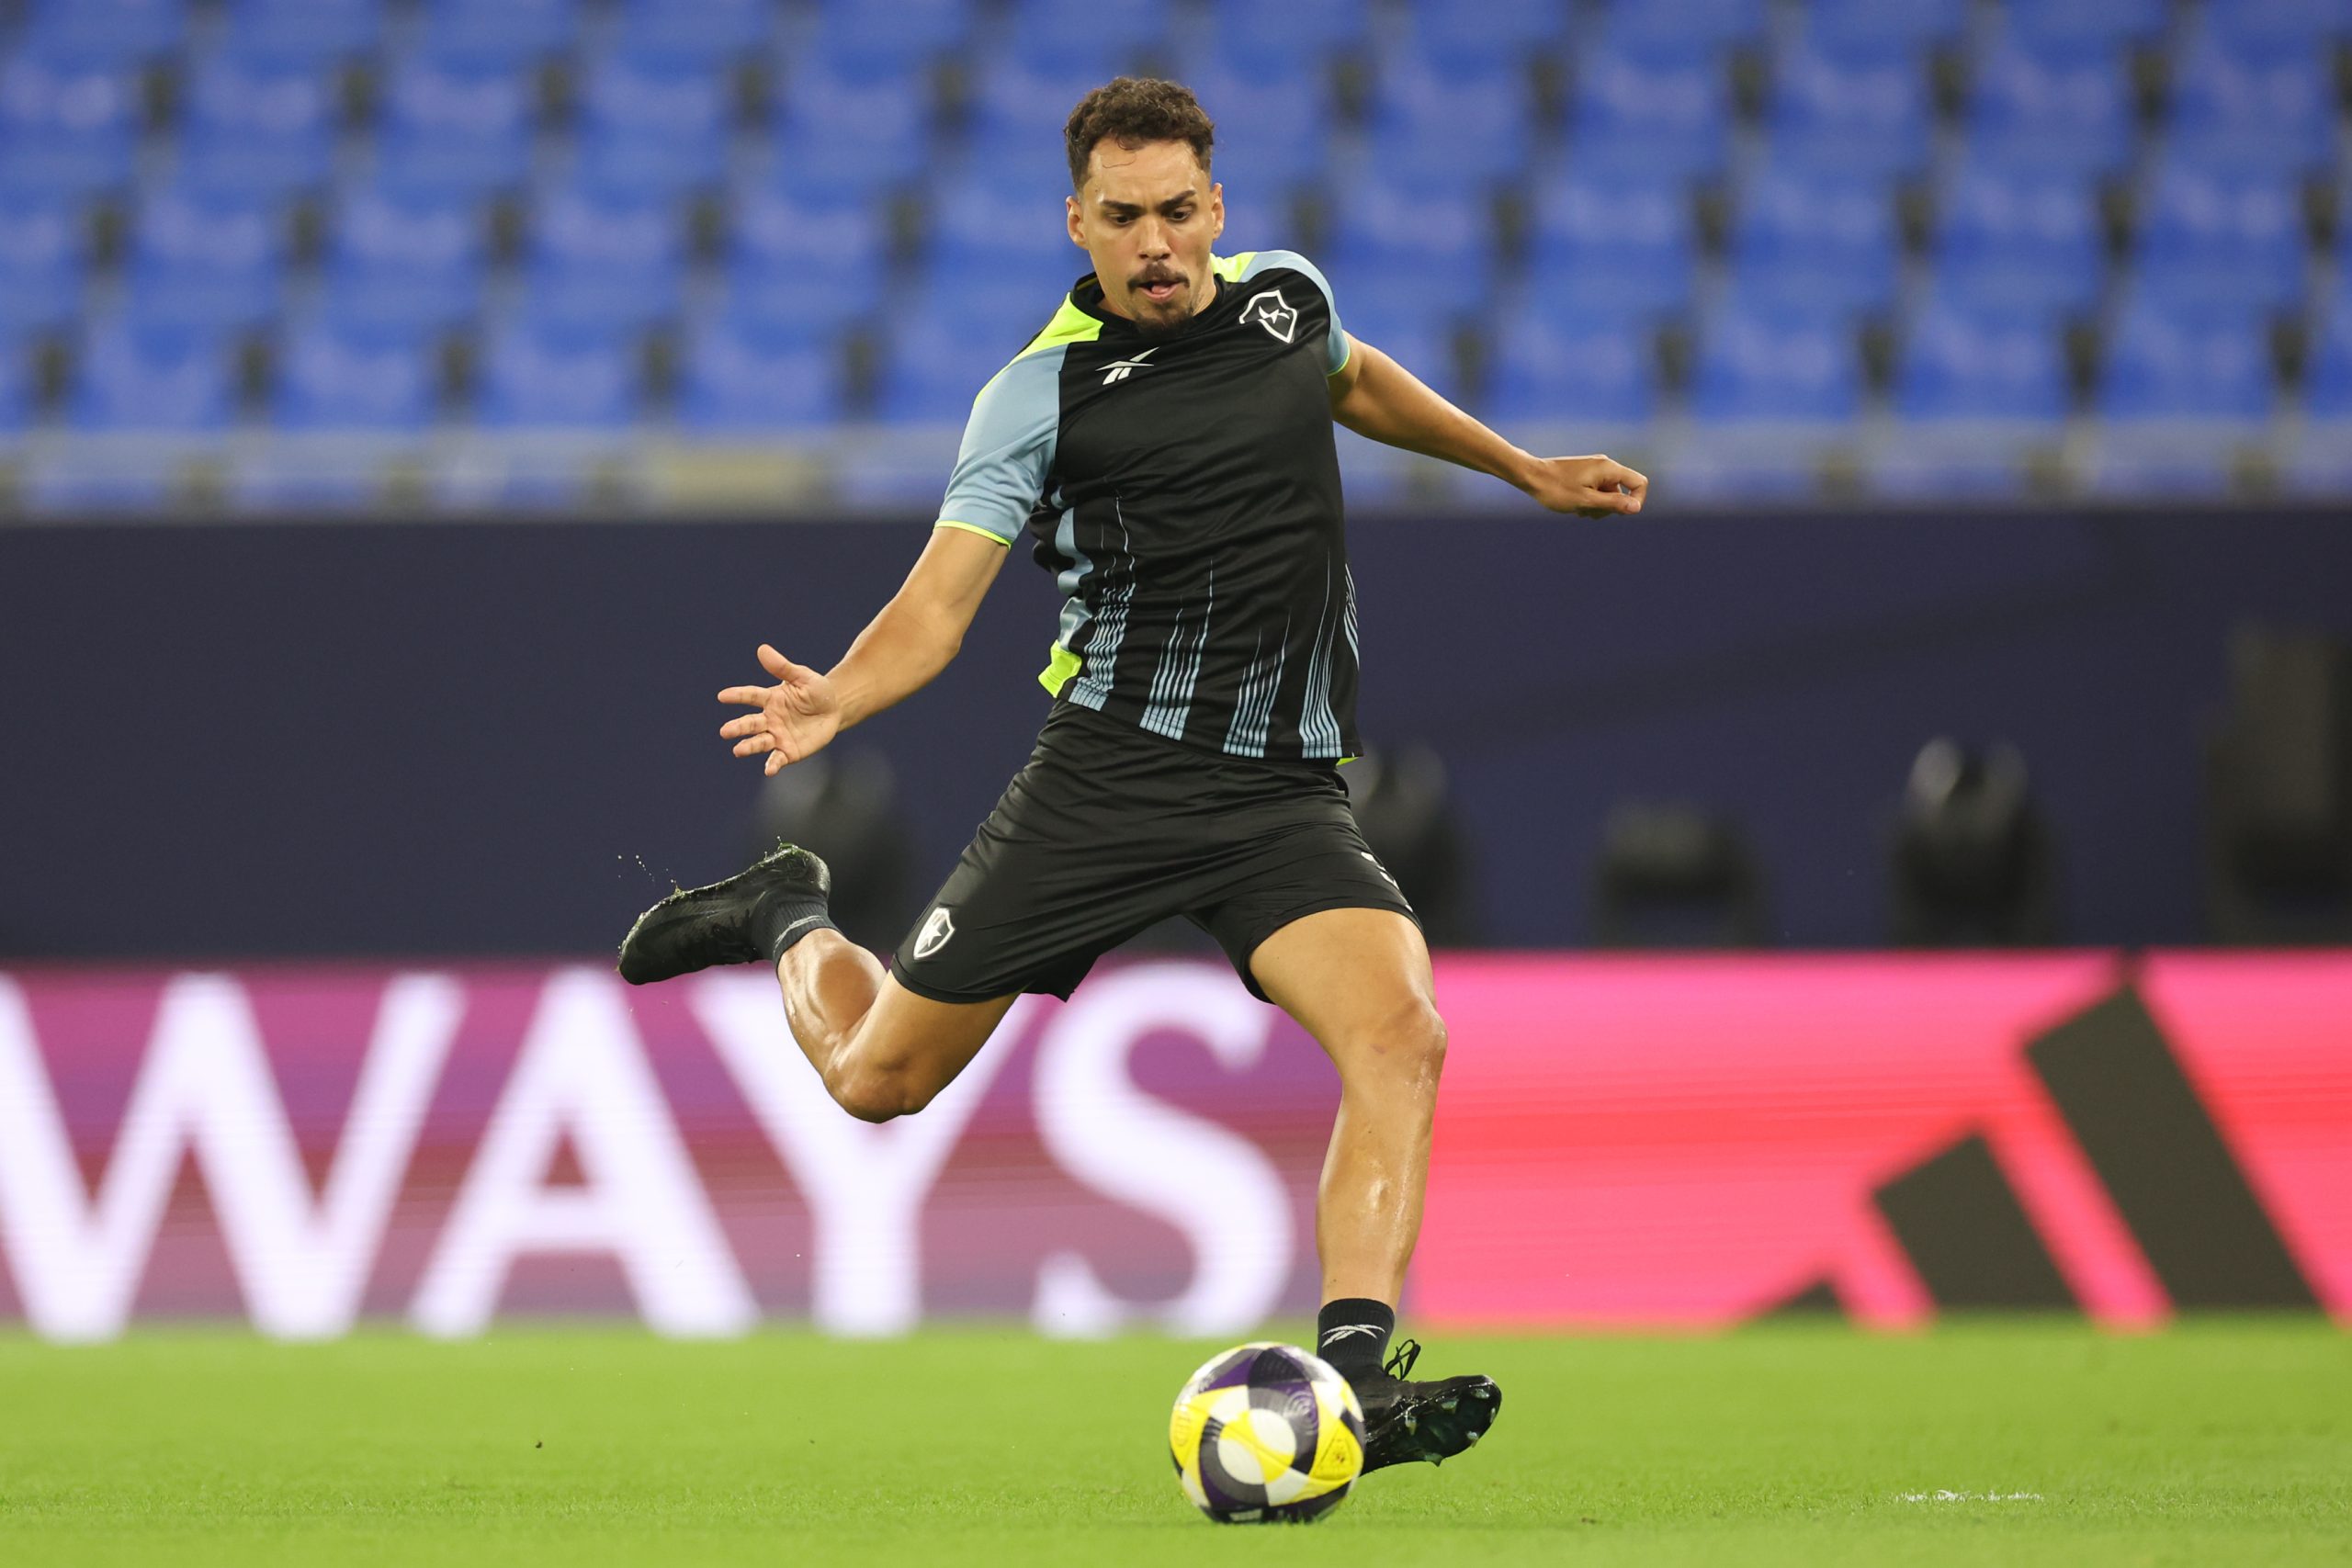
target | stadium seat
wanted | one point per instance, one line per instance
(1607, 244)
(1433, 131)
(16, 383)
(2213, 239)
(395, 258)
(454, 128)
(2245, 105)
(123, 31)
(1568, 364)
(705, 33)
(2327, 379)
(2164, 364)
(594, 258)
(940, 351)
(1435, 242)
(1845, 26)
(1298, 33)
(1857, 110)
(140, 375)
(205, 262)
(858, 38)
(1472, 40)
(336, 375)
(1963, 363)
(2271, 25)
(1814, 244)
(852, 134)
(2050, 109)
(744, 375)
(1408, 326)
(514, 34)
(68, 125)
(1660, 114)
(44, 249)
(1759, 366)
(2104, 24)
(1686, 28)
(541, 374)
(256, 125)
(2014, 241)
(318, 31)
(1272, 121)
(976, 218)
(649, 126)
(802, 257)
(1105, 37)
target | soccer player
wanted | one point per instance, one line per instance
(1167, 443)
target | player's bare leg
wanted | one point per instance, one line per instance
(1358, 981)
(882, 1050)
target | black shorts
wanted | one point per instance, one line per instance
(1110, 830)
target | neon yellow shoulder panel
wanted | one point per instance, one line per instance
(1230, 268)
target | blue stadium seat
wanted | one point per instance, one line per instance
(707, 32)
(1105, 37)
(2018, 242)
(1761, 367)
(334, 375)
(318, 31)
(1566, 365)
(16, 383)
(2269, 26)
(2167, 364)
(1457, 39)
(258, 125)
(1860, 110)
(1430, 129)
(1654, 114)
(538, 374)
(68, 125)
(204, 262)
(593, 258)
(1605, 244)
(1814, 244)
(138, 376)
(2050, 109)
(2213, 238)
(1685, 28)
(511, 33)
(2105, 24)
(743, 375)
(803, 258)
(44, 249)
(1841, 26)
(1436, 242)
(858, 38)
(1274, 121)
(1252, 34)
(977, 218)
(940, 351)
(651, 125)
(2327, 379)
(857, 133)
(399, 259)
(456, 127)
(1413, 330)
(124, 31)
(1964, 364)
(2243, 105)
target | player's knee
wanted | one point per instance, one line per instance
(1406, 1042)
(877, 1095)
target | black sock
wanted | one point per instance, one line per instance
(782, 918)
(1353, 1335)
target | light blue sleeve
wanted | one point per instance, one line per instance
(1335, 345)
(1008, 449)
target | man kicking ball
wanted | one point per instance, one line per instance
(1167, 441)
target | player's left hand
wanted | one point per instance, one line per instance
(1589, 486)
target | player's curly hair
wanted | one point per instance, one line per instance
(1131, 111)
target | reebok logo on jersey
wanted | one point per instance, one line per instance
(936, 932)
(1273, 313)
(1122, 370)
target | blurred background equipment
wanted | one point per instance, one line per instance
(1675, 875)
(1401, 802)
(2278, 833)
(844, 804)
(1972, 863)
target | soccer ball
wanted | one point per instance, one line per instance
(1266, 1434)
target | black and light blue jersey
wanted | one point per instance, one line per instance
(1185, 492)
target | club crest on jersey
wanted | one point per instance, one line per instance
(1273, 313)
(936, 932)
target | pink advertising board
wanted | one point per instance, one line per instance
(1621, 1142)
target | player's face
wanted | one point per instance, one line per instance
(1148, 215)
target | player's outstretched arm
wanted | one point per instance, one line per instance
(1380, 400)
(898, 653)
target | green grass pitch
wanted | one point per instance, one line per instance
(2216, 1443)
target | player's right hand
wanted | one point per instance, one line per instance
(793, 718)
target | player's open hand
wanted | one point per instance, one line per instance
(794, 717)
(1589, 486)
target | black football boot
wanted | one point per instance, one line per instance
(1405, 1421)
(697, 927)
